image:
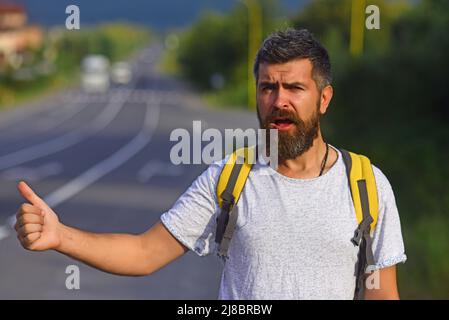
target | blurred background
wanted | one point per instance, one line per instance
(86, 116)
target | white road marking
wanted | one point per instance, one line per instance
(4, 232)
(104, 167)
(69, 112)
(65, 141)
(101, 169)
(108, 165)
(158, 168)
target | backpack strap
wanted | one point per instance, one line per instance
(364, 195)
(230, 185)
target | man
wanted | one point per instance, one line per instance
(292, 239)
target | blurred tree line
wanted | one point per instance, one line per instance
(115, 41)
(391, 103)
(213, 54)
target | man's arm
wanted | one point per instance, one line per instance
(122, 254)
(38, 228)
(388, 289)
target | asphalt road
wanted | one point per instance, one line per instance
(103, 162)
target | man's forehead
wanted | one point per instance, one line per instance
(292, 70)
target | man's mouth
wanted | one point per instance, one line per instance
(281, 124)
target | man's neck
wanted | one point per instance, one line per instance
(308, 165)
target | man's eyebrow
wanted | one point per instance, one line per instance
(286, 84)
(266, 82)
(294, 84)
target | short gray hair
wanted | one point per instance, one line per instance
(291, 44)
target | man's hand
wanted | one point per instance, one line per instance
(37, 225)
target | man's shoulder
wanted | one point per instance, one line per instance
(382, 182)
(384, 188)
(381, 178)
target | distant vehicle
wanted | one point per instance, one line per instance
(95, 73)
(121, 73)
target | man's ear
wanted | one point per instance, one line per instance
(325, 98)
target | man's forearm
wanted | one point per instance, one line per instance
(121, 254)
(38, 229)
(388, 289)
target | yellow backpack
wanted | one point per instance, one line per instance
(363, 190)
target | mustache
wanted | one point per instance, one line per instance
(282, 114)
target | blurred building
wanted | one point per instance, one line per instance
(16, 36)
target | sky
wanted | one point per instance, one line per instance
(158, 14)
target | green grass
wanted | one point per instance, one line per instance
(425, 275)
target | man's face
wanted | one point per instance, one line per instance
(288, 100)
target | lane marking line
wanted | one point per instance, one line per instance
(65, 141)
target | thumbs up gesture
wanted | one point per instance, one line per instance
(38, 227)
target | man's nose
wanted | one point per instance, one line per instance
(280, 100)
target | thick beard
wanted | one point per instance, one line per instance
(292, 145)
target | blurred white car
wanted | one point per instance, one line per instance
(121, 73)
(95, 73)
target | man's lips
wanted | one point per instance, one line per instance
(281, 124)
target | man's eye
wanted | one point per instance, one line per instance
(267, 88)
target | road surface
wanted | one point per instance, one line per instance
(103, 162)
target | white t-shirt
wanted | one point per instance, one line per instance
(293, 236)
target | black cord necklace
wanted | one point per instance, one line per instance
(323, 164)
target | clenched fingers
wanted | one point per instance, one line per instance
(29, 228)
(28, 218)
(28, 208)
(29, 239)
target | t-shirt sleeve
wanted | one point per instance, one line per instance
(192, 219)
(388, 244)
